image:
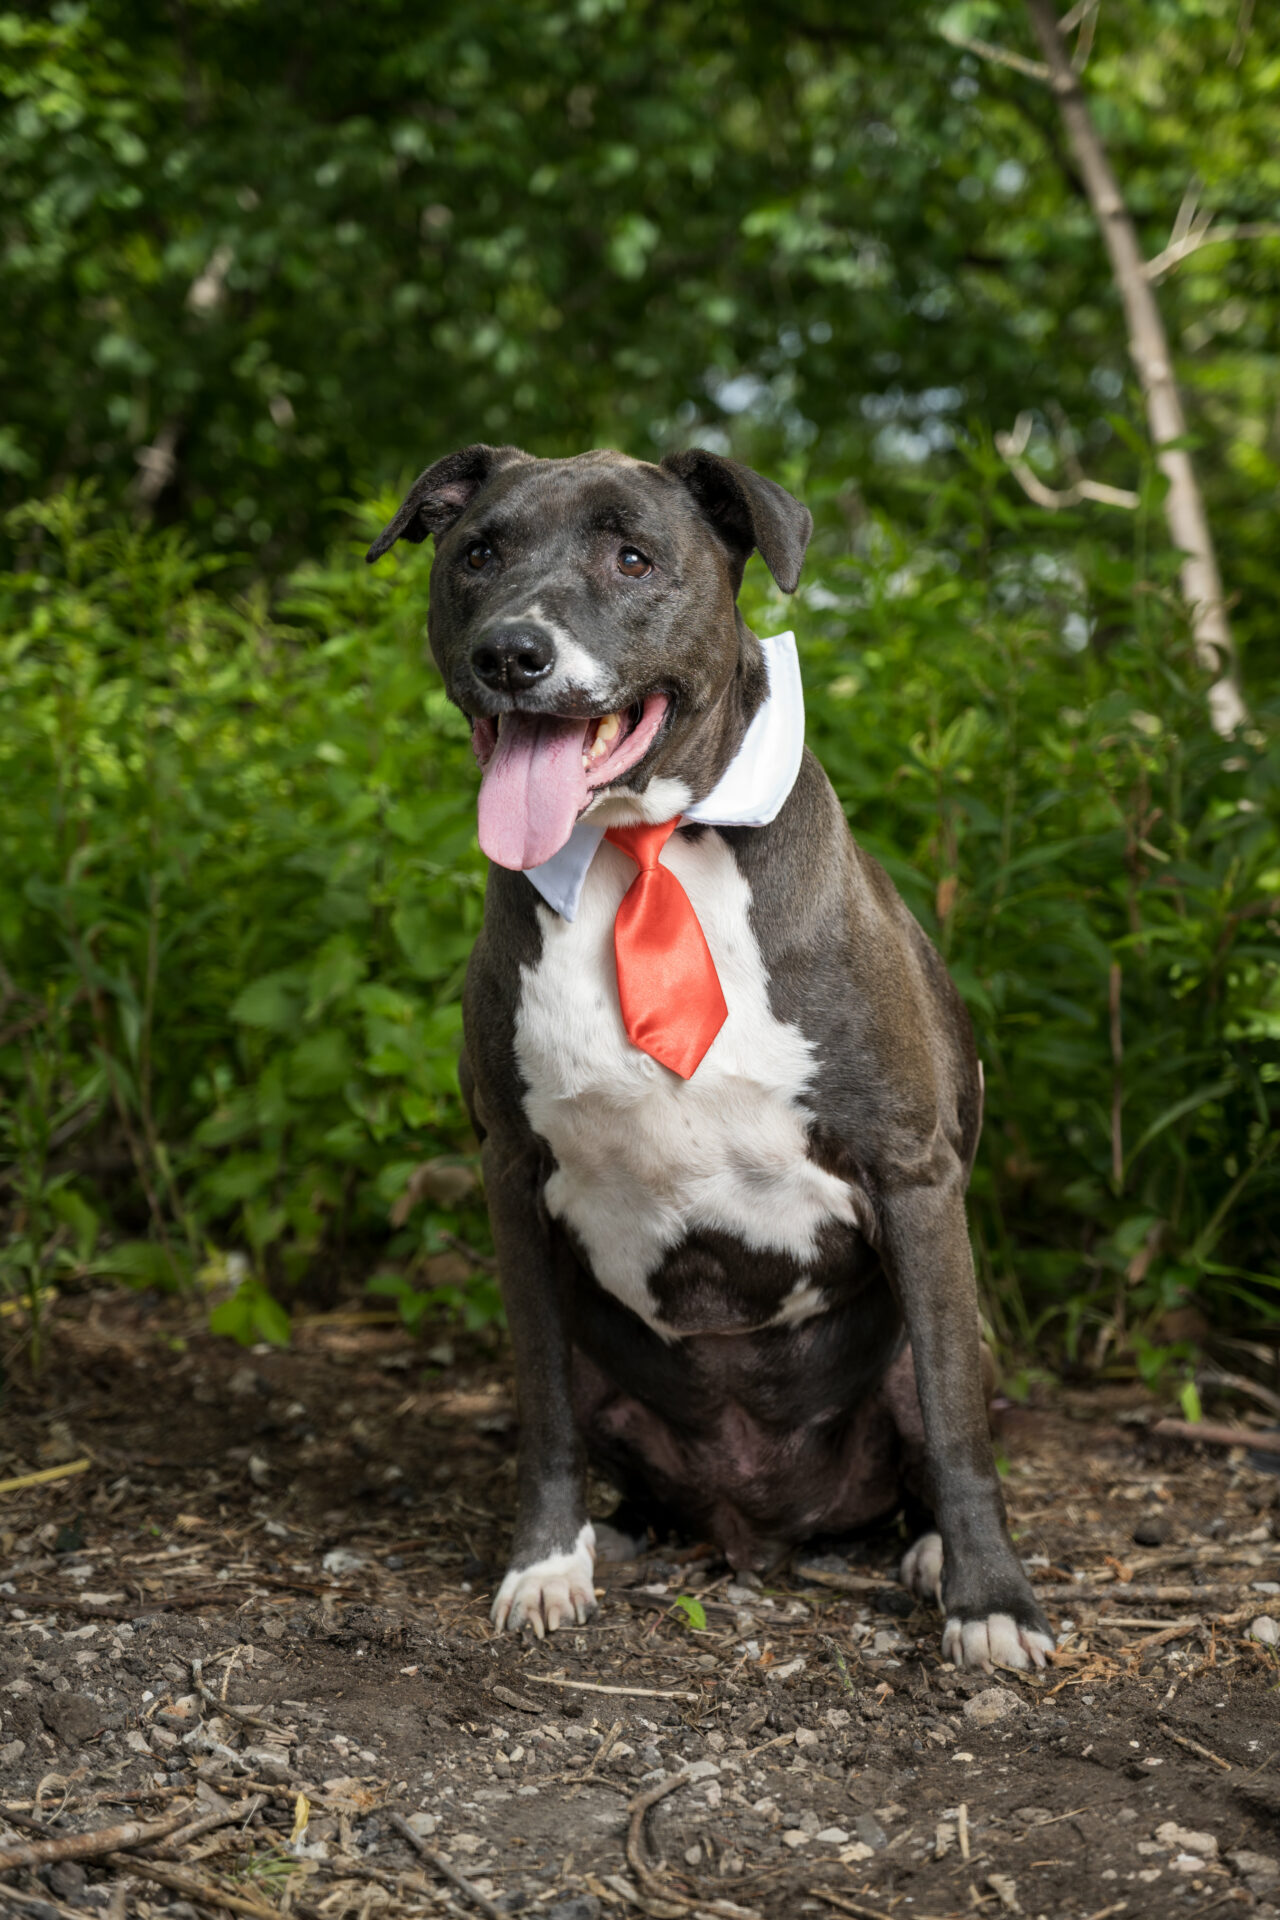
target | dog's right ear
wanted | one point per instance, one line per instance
(442, 494)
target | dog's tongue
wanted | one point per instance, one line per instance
(533, 789)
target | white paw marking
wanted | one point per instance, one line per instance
(921, 1570)
(997, 1641)
(551, 1593)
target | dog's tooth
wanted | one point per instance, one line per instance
(608, 728)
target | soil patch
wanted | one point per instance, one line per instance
(263, 1605)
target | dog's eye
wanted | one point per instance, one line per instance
(479, 554)
(633, 563)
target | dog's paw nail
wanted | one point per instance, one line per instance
(921, 1570)
(550, 1592)
(997, 1641)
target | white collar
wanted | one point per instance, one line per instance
(750, 792)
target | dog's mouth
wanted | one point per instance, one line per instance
(538, 772)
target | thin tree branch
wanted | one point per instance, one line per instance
(1012, 449)
(1209, 236)
(1000, 56)
(1152, 358)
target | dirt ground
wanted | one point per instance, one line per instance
(260, 1610)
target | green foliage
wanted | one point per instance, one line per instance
(239, 881)
(250, 271)
(693, 1610)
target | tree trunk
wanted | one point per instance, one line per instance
(1149, 351)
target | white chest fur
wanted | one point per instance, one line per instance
(643, 1157)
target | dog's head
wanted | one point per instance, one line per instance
(584, 616)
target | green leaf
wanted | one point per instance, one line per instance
(693, 1610)
(274, 1002)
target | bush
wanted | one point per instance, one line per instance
(240, 881)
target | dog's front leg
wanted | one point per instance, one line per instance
(991, 1614)
(549, 1578)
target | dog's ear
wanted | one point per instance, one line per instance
(442, 494)
(747, 511)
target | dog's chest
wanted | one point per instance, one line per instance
(643, 1158)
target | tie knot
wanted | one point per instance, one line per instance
(643, 844)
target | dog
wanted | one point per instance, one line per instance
(744, 1290)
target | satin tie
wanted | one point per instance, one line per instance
(672, 1002)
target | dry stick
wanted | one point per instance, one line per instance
(91, 1846)
(1193, 1746)
(444, 1869)
(843, 1902)
(242, 1714)
(597, 1759)
(45, 1474)
(220, 1817)
(1133, 1593)
(846, 1582)
(1153, 362)
(1215, 1435)
(594, 1686)
(207, 1892)
(39, 1907)
(652, 1884)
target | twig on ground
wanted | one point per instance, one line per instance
(1131, 1593)
(1212, 1434)
(846, 1905)
(597, 1759)
(243, 1714)
(846, 1582)
(38, 1906)
(222, 1816)
(444, 1868)
(1193, 1746)
(91, 1846)
(46, 1474)
(594, 1686)
(207, 1892)
(652, 1884)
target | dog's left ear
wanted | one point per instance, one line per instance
(747, 511)
(442, 494)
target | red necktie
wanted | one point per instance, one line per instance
(672, 1003)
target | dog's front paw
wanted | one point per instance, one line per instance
(996, 1640)
(550, 1593)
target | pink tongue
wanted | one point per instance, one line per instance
(533, 789)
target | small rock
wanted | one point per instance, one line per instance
(806, 1737)
(267, 1760)
(66, 1878)
(12, 1753)
(1186, 1839)
(245, 1382)
(1005, 1888)
(870, 1832)
(834, 1836)
(1265, 1629)
(700, 1769)
(994, 1703)
(510, 1698)
(1259, 1871)
(584, 1907)
(793, 1837)
(1152, 1530)
(340, 1559)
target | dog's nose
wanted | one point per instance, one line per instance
(509, 658)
